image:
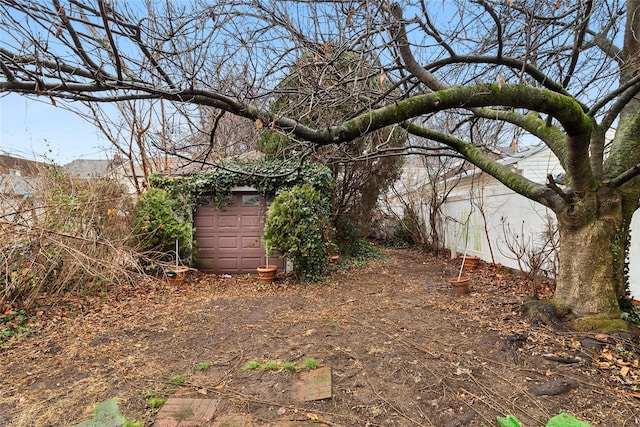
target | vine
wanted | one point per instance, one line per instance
(178, 196)
(266, 175)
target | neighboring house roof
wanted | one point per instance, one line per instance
(18, 176)
(11, 165)
(82, 168)
(533, 163)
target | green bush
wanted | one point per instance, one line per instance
(296, 225)
(161, 220)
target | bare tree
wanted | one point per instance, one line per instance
(536, 255)
(560, 72)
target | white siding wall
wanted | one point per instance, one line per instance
(634, 257)
(464, 225)
(508, 215)
(502, 205)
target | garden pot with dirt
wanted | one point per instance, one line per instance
(469, 262)
(460, 285)
(267, 273)
(176, 274)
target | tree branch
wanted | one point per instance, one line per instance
(625, 177)
(551, 183)
(407, 56)
(505, 175)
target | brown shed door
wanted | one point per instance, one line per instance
(229, 240)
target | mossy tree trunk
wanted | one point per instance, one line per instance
(591, 258)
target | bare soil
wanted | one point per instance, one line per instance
(404, 350)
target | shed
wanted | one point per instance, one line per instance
(229, 238)
(228, 205)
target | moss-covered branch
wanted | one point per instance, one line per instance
(505, 175)
(553, 137)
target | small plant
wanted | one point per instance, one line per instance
(289, 367)
(271, 365)
(179, 379)
(16, 323)
(310, 363)
(161, 219)
(109, 410)
(155, 402)
(274, 365)
(251, 365)
(203, 366)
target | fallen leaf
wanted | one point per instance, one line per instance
(312, 416)
(624, 371)
(461, 371)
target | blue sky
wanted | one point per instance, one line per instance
(38, 130)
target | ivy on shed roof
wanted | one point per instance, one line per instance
(266, 175)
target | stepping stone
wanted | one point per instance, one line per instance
(314, 385)
(235, 420)
(185, 412)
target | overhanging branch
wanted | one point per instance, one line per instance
(502, 173)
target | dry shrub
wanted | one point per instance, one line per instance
(70, 234)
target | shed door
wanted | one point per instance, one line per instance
(229, 240)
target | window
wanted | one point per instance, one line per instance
(250, 200)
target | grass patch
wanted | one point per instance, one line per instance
(203, 366)
(179, 379)
(251, 365)
(155, 402)
(310, 363)
(272, 365)
(289, 367)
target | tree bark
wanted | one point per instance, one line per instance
(589, 238)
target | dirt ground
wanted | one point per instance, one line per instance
(403, 349)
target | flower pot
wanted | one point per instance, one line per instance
(267, 273)
(470, 262)
(460, 285)
(176, 274)
(333, 259)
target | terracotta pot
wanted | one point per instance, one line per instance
(333, 259)
(176, 274)
(267, 273)
(470, 262)
(460, 286)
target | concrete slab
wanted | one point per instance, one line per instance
(234, 420)
(186, 412)
(314, 385)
